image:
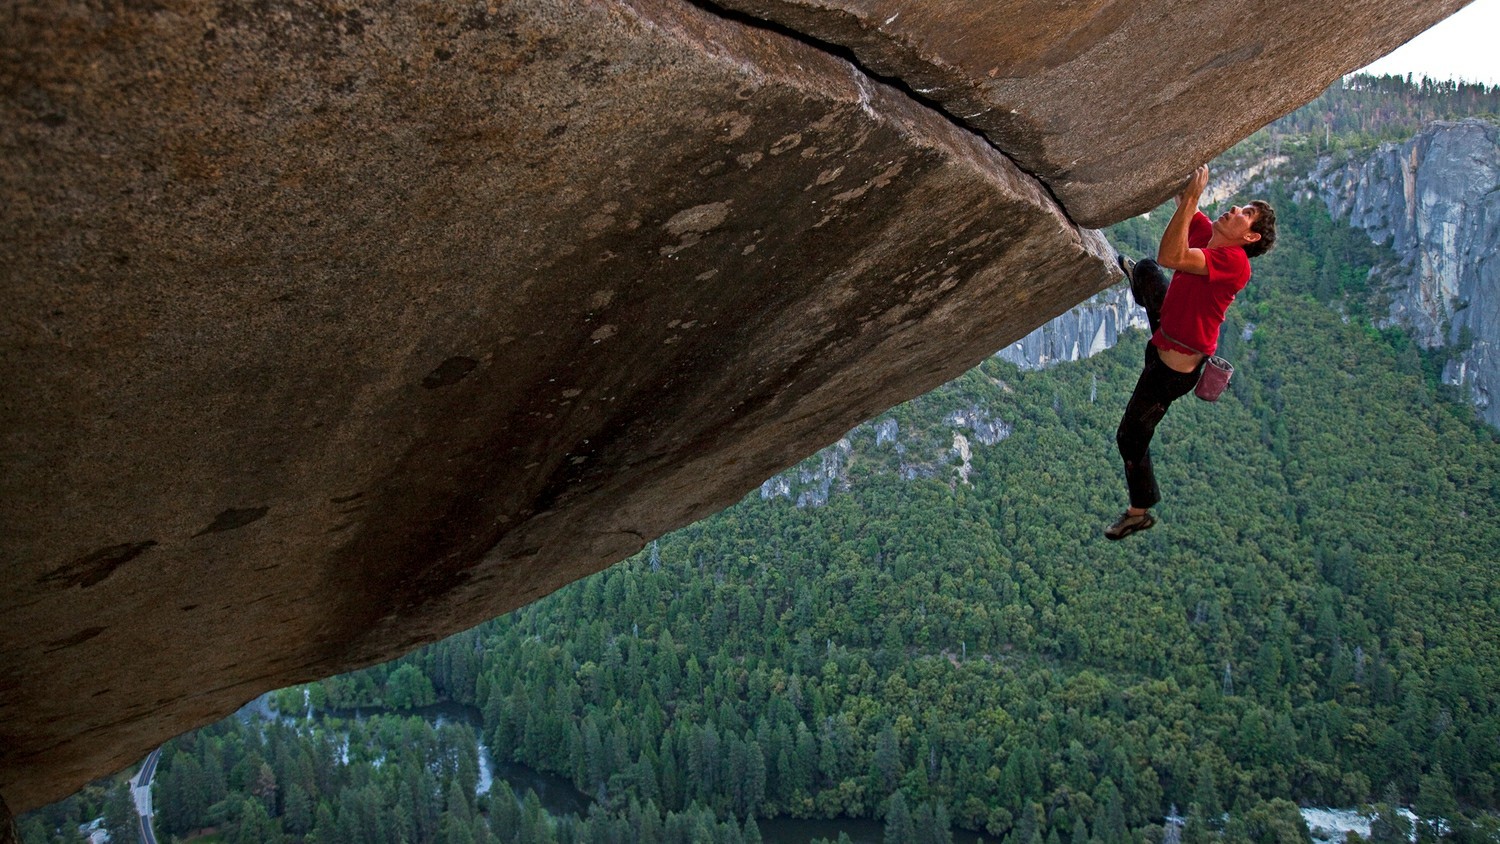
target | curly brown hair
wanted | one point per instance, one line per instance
(1265, 226)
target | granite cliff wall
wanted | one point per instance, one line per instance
(1084, 331)
(331, 330)
(1436, 201)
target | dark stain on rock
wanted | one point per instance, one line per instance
(449, 372)
(432, 584)
(96, 566)
(54, 120)
(188, 607)
(478, 21)
(345, 499)
(441, 54)
(233, 518)
(1243, 54)
(592, 70)
(76, 639)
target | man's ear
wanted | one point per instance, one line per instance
(1251, 237)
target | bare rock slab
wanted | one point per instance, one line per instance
(329, 331)
(1110, 102)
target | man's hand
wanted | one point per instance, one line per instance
(1193, 190)
(1174, 252)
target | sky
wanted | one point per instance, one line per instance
(1461, 47)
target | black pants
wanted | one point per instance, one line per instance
(1156, 389)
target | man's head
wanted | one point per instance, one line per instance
(1265, 226)
(1252, 226)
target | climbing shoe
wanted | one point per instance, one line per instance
(1140, 296)
(1128, 524)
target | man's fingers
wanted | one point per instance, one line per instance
(1198, 180)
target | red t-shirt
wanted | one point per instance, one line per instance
(1195, 304)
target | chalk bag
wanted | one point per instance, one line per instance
(1213, 380)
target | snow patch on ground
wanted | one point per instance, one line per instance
(1330, 825)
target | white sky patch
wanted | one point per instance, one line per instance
(1461, 47)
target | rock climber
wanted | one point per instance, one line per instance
(1211, 260)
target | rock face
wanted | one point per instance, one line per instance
(1436, 200)
(329, 336)
(882, 445)
(331, 331)
(1104, 99)
(1084, 331)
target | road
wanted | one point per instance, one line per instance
(140, 789)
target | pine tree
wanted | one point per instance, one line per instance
(887, 760)
(1113, 829)
(119, 812)
(1388, 825)
(752, 831)
(899, 828)
(298, 816)
(1028, 829)
(942, 826)
(1196, 829)
(255, 825)
(1435, 807)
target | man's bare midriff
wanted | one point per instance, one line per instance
(1179, 361)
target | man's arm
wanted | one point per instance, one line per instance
(1174, 252)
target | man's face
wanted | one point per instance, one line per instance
(1234, 224)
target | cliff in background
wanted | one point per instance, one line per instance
(1084, 331)
(1435, 200)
